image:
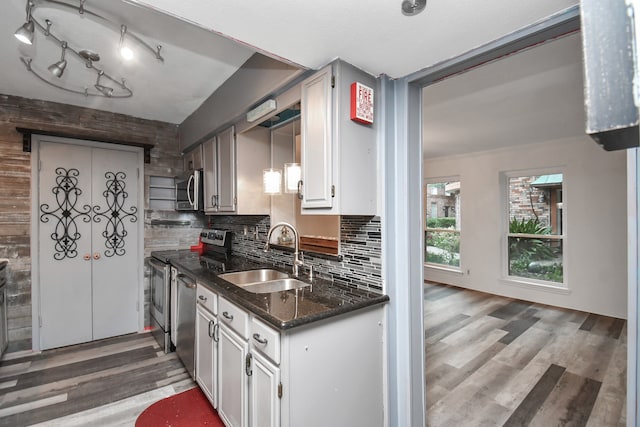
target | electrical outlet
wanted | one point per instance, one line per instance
(468, 271)
(246, 230)
(256, 235)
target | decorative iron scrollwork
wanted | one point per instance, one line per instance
(115, 215)
(65, 234)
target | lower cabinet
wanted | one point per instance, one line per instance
(233, 366)
(264, 386)
(207, 354)
(322, 374)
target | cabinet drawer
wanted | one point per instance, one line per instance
(207, 299)
(234, 317)
(265, 339)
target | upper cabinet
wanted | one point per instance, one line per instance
(232, 170)
(193, 159)
(338, 155)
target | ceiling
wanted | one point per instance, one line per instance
(533, 96)
(205, 41)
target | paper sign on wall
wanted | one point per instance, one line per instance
(361, 103)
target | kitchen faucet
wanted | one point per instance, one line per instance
(297, 262)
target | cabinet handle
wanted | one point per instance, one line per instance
(300, 189)
(211, 330)
(86, 257)
(202, 298)
(262, 341)
(216, 332)
(247, 365)
(227, 315)
(215, 201)
(96, 255)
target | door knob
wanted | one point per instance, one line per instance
(87, 257)
(96, 255)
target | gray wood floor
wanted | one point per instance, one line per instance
(494, 361)
(102, 383)
(490, 361)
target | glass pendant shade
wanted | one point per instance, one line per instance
(292, 175)
(272, 181)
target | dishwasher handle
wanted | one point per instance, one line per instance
(188, 281)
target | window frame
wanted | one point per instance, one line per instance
(458, 231)
(563, 286)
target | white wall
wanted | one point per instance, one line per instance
(595, 258)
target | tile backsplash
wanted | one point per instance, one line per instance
(360, 249)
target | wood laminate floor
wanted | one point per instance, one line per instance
(102, 383)
(494, 361)
(490, 361)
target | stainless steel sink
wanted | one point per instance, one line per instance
(249, 277)
(275, 286)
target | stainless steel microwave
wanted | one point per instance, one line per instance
(189, 191)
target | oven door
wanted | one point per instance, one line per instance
(160, 288)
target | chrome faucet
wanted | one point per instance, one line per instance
(297, 262)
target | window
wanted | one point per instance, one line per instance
(442, 223)
(535, 234)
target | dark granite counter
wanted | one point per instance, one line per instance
(283, 310)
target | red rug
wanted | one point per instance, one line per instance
(187, 409)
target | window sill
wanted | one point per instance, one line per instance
(538, 286)
(443, 268)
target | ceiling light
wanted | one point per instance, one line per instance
(413, 7)
(26, 34)
(58, 68)
(125, 51)
(105, 90)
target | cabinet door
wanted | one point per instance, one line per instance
(210, 175)
(316, 120)
(193, 159)
(232, 378)
(227, 171)
(265, 404)
(206, 354)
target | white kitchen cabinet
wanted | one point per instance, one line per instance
(338, 155)
(268, 377)
(233, 395)
(232, 169)
(207, 344)
(193, 159)
(219, 172)
(264, 386)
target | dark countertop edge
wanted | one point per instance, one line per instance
(273, 321)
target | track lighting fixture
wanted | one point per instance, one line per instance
(57, 68)
(119, 89)
(125, 51)
(105, 90)
(25, 32)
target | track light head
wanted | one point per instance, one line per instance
(57, 68)
(25, 33)
(413, 7)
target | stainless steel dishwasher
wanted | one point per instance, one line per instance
(186, 321)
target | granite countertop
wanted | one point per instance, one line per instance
(284, 309)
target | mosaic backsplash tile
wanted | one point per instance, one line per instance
(360, 247)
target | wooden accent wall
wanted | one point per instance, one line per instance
(15, 181)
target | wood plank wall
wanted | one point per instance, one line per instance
(15, 182)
